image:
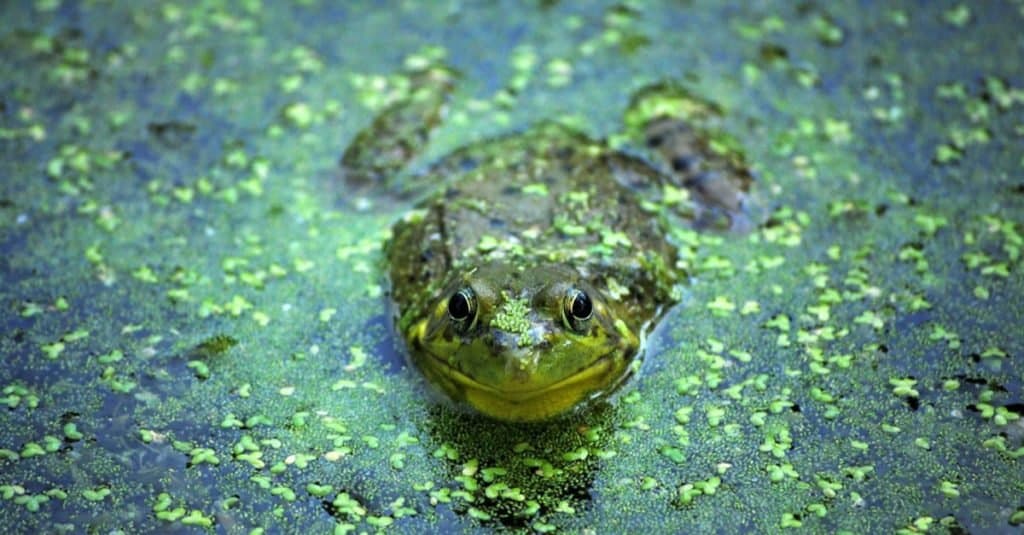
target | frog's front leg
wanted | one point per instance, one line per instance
(380, 152)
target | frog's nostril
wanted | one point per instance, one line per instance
(505, 342)
(501, 341)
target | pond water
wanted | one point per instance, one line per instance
(196, 333)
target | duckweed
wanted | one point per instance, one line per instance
(820, 367)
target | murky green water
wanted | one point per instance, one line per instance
(196, 334)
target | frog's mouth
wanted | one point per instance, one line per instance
(533, 404)
(588, 375)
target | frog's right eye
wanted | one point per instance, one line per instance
(577, 308)
(462, 306)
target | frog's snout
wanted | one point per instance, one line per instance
(504, 342)
(519, 351)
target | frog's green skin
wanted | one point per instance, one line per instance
(523, 224)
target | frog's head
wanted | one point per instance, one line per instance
(522, 345)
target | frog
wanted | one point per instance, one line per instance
(531, 266)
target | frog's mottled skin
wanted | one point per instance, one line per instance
(522, 225)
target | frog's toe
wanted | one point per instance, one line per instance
(724, 201)
(713, 189)
(749, 215)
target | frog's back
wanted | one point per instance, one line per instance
(547, 195)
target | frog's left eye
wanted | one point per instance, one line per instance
(462, 306)
(577, 309)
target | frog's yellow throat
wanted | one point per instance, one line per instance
(601, 376)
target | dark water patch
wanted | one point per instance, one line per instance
(389, 346)
(566, 451)
(172, 134)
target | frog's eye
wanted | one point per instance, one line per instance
(462, 305)
(577, 308)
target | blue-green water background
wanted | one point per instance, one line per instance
(167, 183)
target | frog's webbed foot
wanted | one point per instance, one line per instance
(380, 152)
(711, 167)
